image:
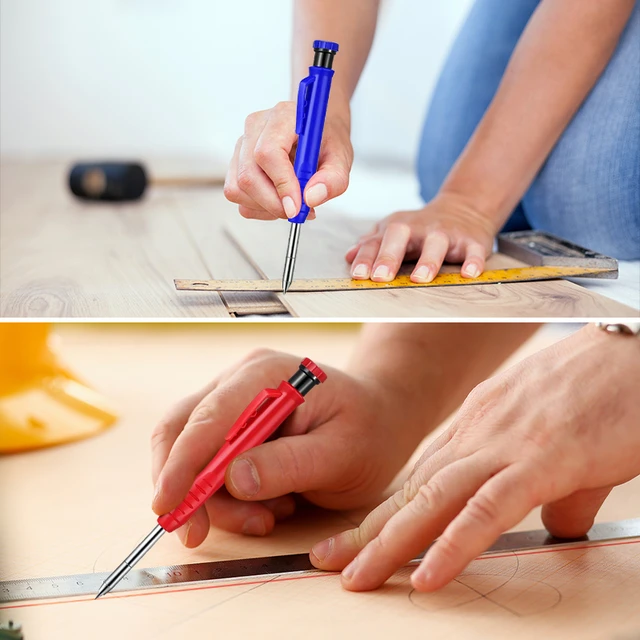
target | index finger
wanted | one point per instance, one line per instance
(272, 154)
(169, 428)
(204, 433)
(418, 523)
(501, 503)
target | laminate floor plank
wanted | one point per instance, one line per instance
(60, 257)
(206, 213)
(324, 242)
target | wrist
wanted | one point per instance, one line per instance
(403, 407)
(339, 108)
(605, 345)
(451, 199)
(490, 199)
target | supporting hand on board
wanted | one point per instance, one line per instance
(558, 429)
(447, 229)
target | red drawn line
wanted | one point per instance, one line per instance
(325, 574)
(556, 549)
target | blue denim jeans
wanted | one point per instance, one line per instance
(588, 190)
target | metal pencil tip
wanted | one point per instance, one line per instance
(130, 561)
(105, 588)
(290, 261)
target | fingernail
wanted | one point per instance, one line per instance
(184, 534)
(254, 526)
(322, 549)
(361, 271)
(244, 477)
(316, 195)
(350, 569)
(420, 577)
(422, 274)
(382, 273)
(290, 208)
(156, 495)
(472, 271)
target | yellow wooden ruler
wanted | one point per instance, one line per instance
(497, 276)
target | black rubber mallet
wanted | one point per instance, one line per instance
(124, 181)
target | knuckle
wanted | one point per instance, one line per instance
(408, 492)
(399, 228)
(159, 434)
(449, 549)
(399, 499)
(430, 496)
(360, 535)
(246, 180)
(341, 181)
(387, 258)
(482, 509)
(283, 106)
(280, 184)
(231, 191)
(252, 120)
(383, 543)
(296, 467)
(439, 235)
(263, 154)
(369, 241)
(202, 413)
(260, 353)
(247, 213)
(479, 393)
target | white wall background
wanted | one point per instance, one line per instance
(162, 77)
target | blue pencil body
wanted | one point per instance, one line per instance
(311, 112)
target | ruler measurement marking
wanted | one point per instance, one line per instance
(497, 276)
(288, 577)
(228, 572)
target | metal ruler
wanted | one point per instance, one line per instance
(190, 574)
(544, 249)
(497, 276)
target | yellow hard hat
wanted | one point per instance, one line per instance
(41, 402)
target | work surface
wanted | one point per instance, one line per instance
(81, 508)
(60, 257)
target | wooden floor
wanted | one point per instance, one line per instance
(81, 508)
(324, 242)
(60, 257)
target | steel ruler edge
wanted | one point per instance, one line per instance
(496, 276)
(228, 570)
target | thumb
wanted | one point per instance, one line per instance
(330, 181)
(294, 464)
(573, 516)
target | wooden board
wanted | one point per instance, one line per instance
(205, 214)
(82, 507)
(324, 242)
(60, 257)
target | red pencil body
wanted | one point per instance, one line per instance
(268, 410)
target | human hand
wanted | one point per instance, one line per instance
(447, 228)
(555, 430)
(261, 179)
(338, 450)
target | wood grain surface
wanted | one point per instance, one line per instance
(205, 214)
(82, 507)
(60, 257)
(324, 242)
